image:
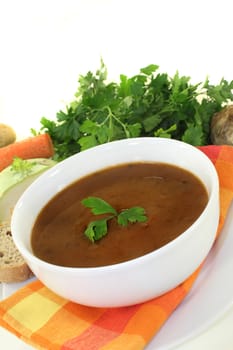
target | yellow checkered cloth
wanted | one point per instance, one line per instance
(47, 321)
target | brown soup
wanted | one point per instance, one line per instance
(172, 197)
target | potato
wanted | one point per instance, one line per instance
(7, 135)
(221, 132)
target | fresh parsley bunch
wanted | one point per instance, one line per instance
(147, 104)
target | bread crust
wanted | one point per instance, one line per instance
(12, 274)
(13, 267)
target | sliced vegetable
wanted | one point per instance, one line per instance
(14, 180)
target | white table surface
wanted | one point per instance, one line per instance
(45, 45)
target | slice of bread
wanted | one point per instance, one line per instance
(13, 267)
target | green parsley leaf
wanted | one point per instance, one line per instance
(87, 142)
(97, 229)
(151, 122)
(98, 206)
(149, 69)
(165, 133)
(193, 135)
(134, 214)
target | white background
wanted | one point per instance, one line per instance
(45, 45)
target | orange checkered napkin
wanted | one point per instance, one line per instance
(47, 321)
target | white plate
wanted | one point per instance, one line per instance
(206, 302)
(210, 297)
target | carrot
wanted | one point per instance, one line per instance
(39, 146)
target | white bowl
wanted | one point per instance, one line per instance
(139, 279)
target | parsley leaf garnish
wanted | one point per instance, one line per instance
(98, 206)
(98, 228)
(132, 215)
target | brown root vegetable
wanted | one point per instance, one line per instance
(221, 129)
(7, 135)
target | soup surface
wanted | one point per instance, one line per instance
(172, 197)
